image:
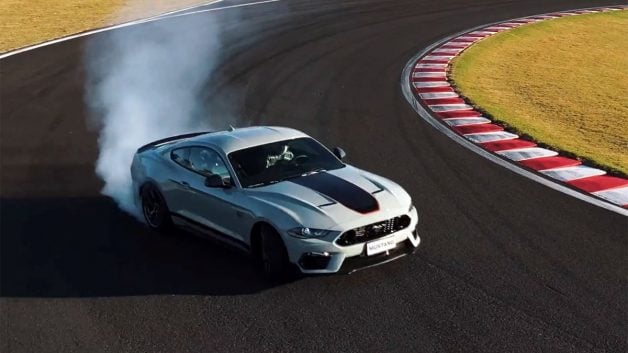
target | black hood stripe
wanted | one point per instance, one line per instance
(339, 190)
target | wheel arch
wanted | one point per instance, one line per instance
(145, 183)
(137, 192)
(255, 234)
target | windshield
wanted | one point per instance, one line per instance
(278, 161)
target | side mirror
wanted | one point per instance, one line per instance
(340, 153)
(216, 181)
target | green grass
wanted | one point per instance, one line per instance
(29, 22)
(564, 82)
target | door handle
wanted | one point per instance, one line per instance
(185, 184)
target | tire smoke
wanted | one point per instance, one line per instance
(144, 83)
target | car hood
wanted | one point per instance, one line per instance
(335, 199)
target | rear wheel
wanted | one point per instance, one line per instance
(273, 254)
(154, 208)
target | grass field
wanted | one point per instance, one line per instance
(29, 22)
(563, 82)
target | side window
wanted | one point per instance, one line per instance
(181, 156)
(207, 162)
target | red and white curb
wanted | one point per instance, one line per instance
(429, 90)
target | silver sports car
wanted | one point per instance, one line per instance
(277, 194)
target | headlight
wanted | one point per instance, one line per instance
(304, 232)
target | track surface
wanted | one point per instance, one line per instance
(506, 265)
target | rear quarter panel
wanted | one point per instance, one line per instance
(152, 166)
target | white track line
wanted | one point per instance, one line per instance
(546, 17)
(431, 66)
(497, 28)
(429, 74)
(441, 108)
(486, 33)
(225, 8)
(466, 121)
(439, 57)
(447, 51)
(167, 15)
(529, 20)
(185, 9)
(572, 173)
(491, 136)
(522, 154)
(433, 69)
(437, 95)
(431, 84)
(460, 45)
(615, 195)
(467, 39)
(466, 114)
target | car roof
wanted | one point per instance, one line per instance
(241, 138)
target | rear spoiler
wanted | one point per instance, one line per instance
(169, 139)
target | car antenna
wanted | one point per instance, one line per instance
(231, 127)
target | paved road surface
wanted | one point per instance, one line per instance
(506, 265)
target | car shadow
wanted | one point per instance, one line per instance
(87, 247)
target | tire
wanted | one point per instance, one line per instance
(273, 255)
(154, 208)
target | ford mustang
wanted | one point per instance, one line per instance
(277, 194)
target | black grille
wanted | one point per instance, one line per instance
(373, 231)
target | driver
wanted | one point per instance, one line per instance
(210, 162)
(285, 155)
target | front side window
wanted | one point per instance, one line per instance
(182, 157)
(207, 162)
(278, 161)
(204, 161)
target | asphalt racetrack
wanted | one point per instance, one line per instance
(505, 265)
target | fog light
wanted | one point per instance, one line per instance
(404, 221)
(315, 260)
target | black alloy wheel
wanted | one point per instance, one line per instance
(154, 208)
(273, 255)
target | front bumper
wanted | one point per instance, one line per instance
(353, 264)
(318, 256)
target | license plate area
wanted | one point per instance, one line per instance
(379, 246)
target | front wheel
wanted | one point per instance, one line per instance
(274, 257)
(154, 208)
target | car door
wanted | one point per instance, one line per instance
(176, 189)
(213, 207)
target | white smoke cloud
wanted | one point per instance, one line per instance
(144, 83)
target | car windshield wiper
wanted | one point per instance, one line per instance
(314, 171)
(263, 184)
